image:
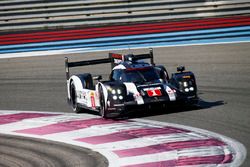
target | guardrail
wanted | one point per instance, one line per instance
(18, 15)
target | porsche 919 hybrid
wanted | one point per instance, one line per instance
(132, 82)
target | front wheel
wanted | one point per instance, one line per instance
(103, 108)
(73, 95)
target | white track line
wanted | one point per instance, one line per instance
(90, 50)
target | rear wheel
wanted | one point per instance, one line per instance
(103, 108)
(73, 95)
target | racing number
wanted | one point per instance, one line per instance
(154, 92)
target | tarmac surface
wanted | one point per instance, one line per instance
(26, 152)
(222, 74)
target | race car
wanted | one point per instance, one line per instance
(132, 82)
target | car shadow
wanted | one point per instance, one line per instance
(170, 109)
(86, 111)
(156, 110)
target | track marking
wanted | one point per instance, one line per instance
(124, 47)
(203, 161)
(130, 143)
(167, 147)
(10, 118)
(147, 28)
(130, 134)
(66, 126)
(125, 40)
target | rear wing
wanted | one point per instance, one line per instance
(83, 63)
(113, 58)
(118, 58)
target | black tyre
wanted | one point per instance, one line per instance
(103, 108)
(73, 95)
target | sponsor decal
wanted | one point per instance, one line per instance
(171, 93)
(92, 93)
(117, 61)
(117, 56)
(138, 98)
(84, 95)
(92, 98)
(81, 95)
(186, 77)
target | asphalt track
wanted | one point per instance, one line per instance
(27, 152)
(222, 71)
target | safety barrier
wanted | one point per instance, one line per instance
(44, 14)
(140, 35)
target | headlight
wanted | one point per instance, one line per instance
(185, 84)
(119, 91)
(191, 88)
(114, 97)
(113, 91)
(121, 97)
(186, 90)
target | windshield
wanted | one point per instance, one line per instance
(140, 75)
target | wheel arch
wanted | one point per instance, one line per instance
(105, 91)
(77, 83)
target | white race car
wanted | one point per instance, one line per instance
(132, 82)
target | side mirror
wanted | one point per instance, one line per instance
(181, 68)
(98, 77)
